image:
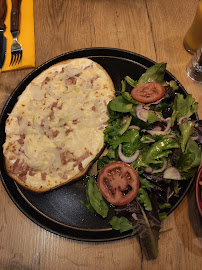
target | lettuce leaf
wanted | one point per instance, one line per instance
(121, 224)
(120, 104)
(158, 149)
(162, 216)
(131, 82)
(95, 201)
(145, 183)
(154, 73)
(184, 106)
(186, 130)
(152, 117)
(130, 136)
(144, 199)
(191, 158)
(147, 224)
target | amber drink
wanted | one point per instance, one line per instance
(193, 37)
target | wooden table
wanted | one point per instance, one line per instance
(154, 29)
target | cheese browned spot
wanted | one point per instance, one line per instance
(55, 130)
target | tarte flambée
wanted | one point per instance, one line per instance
(55, 130)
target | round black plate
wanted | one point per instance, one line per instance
(60, 211)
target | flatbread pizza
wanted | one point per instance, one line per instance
(55, 130)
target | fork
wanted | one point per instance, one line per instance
(16, 47)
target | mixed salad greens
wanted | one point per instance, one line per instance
(153, 146)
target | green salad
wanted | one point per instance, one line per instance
(153, 146)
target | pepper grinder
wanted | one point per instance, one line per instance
(194, 67)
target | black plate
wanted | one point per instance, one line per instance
(60, 211)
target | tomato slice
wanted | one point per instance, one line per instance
(118, 182)
(148, 92)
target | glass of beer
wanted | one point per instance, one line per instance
(193, 37)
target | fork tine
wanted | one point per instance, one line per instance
(20, 57)
(16, 58)
(11, 60)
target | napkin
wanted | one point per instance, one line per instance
(25, 36)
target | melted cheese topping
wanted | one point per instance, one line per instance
(56, 128)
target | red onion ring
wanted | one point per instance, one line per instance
(194, 138)
(159, 116)
(127, 159)
(142, 112)
(154, 103)
(166, 131)
(183, 120)
(172, 173)
(147, 140)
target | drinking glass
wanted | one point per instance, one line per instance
(194, 67)
(193, 37)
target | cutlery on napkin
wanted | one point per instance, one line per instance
(26, 36)
(3, 11)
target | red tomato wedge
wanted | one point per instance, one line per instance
(148, 92)
(118, 182)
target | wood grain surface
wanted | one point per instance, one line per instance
(155, 29)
